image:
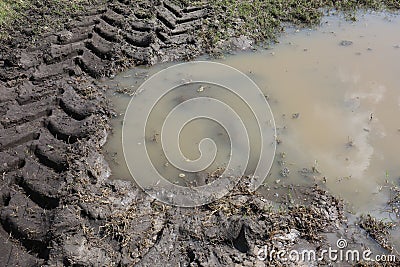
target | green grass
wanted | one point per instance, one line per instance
(10, 12)
(261, 20)
(50, 14)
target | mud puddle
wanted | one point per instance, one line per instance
(335, 95)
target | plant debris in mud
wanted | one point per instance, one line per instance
(394, 201)
(220, 232)
(262, 20)
(377, 229)
(35, 17)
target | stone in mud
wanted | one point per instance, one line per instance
(346, 43)
(242, 43)
(284, 172)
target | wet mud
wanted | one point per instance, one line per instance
(58, 206)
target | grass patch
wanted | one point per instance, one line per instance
(262, 20)
(37, 16)
(10, 12)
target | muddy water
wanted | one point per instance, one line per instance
(335, 95)
(346, 100)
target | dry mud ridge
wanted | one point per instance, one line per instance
(57, 206)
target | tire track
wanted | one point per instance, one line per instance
(45, 111)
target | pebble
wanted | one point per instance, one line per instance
(284, 172)
(295, 115)
(346, 43)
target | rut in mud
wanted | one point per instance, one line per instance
(50, 107)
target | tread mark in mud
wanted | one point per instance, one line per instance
(41, 119)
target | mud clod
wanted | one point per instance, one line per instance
(346, 43)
